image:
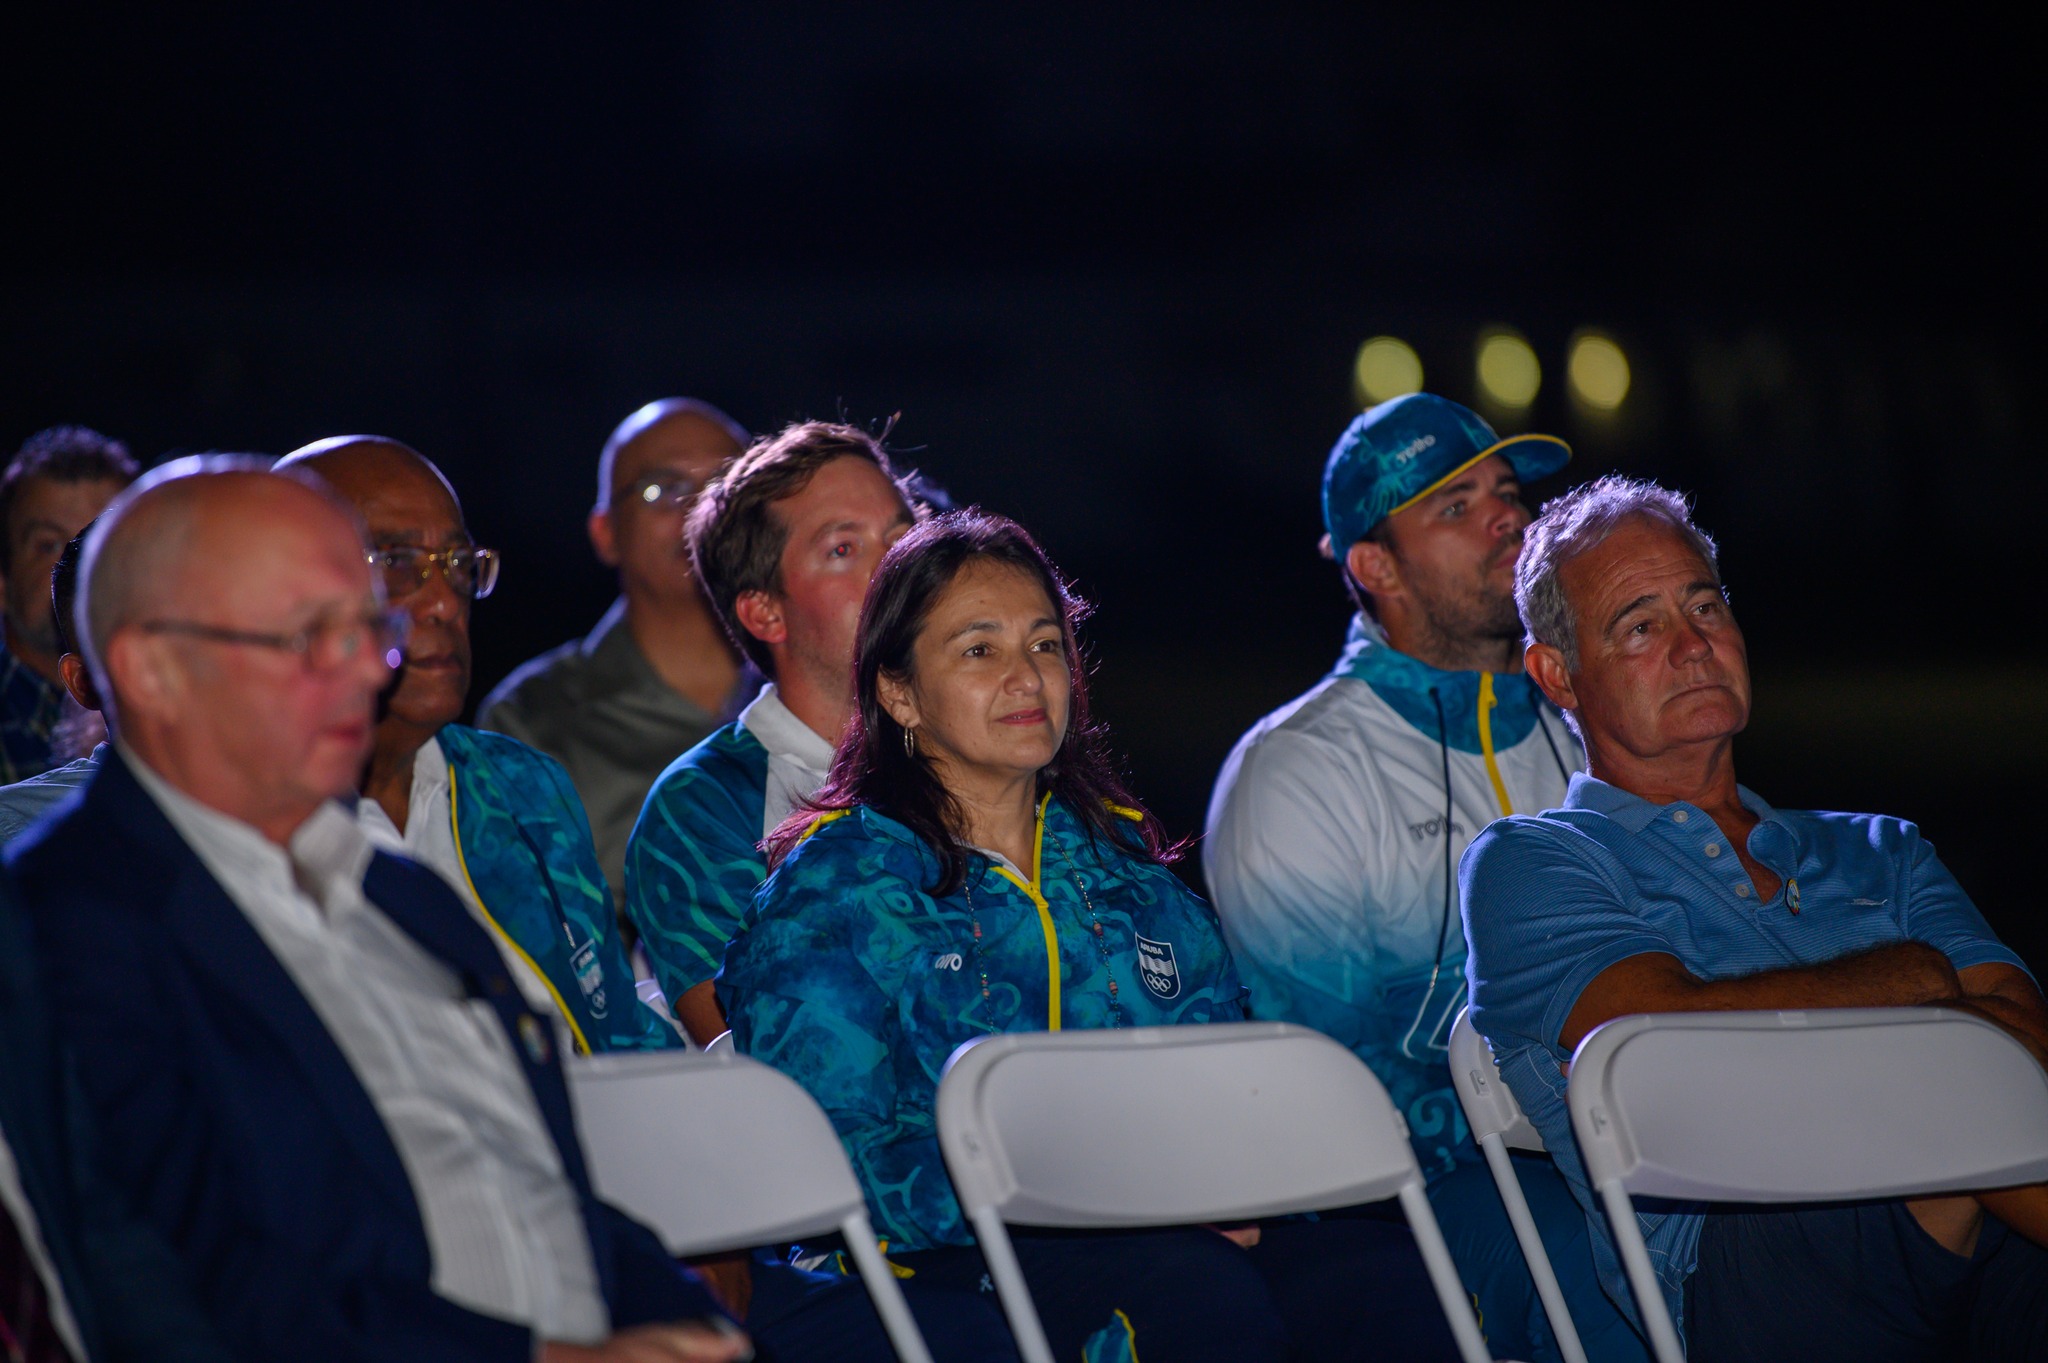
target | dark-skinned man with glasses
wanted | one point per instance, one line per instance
(657, 674)
(499, 821)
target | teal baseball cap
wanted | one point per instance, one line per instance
(1393, 455)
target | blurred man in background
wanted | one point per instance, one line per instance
(656, 674)
(54, 486)
(25, 801)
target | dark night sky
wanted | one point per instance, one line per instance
(1111, 264)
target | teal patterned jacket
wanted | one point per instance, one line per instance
(527, 853)
(694, 860)
(858, 984)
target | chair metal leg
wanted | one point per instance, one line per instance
(994, 1236)
(1533, 1252)
(1642, 1278)
(887, 1293)
(1443, 1274)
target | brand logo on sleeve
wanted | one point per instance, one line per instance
(1157, 968)
(946, 960)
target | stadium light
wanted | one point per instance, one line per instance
(1507, 368)
(1386, 368)
(1598, 371)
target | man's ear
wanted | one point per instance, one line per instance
(602, 539)
(1372, 567)
(144, 674)
(1545, 666)
(760, 614)
(78, 681)
(894, 693)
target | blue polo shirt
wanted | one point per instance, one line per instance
(1552, 900)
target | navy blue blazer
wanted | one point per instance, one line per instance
(125, 1289)
(232, 1121)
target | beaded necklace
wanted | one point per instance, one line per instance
(1116, 1007)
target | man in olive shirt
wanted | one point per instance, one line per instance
(657, 674)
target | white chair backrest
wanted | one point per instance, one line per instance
(1490, 1108)
(719, 1152)
(714, 1153)
(1182, 1124)
(1833, 1103)
(1160, 1126)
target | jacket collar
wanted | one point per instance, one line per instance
(222, 946)
(1415, 691)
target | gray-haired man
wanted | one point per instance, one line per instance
(1663, 886)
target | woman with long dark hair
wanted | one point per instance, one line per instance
(973, 865)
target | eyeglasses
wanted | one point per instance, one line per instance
(325, 644)
(666, 489)
(468, 570)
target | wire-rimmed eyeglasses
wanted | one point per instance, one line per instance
(468, 570)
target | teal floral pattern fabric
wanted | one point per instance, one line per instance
(694, 861)
(526, 847)
(858, 984)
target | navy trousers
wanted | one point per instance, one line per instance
(1348, 1286)
(1861, 1282)
(800, 1317)
(1489, 1259)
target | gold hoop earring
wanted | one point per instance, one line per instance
(910, 744)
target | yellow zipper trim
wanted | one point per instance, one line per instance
(1486, 704)
(1052, 937)
(455, 826)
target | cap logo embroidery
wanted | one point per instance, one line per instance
(1406, 454)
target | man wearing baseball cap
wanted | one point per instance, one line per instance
(1337, 822)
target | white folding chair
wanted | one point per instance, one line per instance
(1229, 1122)
(722, 1152)
(1835, 1104)
(1498, 1126)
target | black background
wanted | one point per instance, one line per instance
(1112, 264)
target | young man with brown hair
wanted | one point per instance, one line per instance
(784, 542)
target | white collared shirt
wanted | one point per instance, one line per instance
(429, 839)
(502, 1222)
(798, 759)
